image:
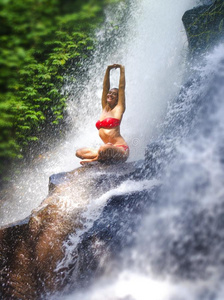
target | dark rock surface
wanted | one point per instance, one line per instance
(109, 236)
(31, 249)
(204, 26)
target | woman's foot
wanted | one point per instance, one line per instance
(86, 161)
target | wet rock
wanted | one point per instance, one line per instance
(31, 249)
(113, 232)
(204, 26)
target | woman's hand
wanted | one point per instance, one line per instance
(114, 66)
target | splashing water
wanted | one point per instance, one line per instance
(152, 46)
(178, 252)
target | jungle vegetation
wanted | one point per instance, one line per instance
(38, 41)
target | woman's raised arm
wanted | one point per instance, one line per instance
(121, 92)
(106, 85)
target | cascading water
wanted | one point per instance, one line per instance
(152, 46)
(178, 249)
(177, 252)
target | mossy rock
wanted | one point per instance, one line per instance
(204, 26)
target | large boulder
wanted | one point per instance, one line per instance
(31, 249)
(115, 231)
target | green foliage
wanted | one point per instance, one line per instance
(38, 40)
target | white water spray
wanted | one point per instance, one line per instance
(153, 52)
(179, 249)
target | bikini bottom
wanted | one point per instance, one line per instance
(126, 148)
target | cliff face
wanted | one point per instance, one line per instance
(204, 26)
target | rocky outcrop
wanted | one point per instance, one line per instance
(204, 26)
(31, 249)
(114, 231)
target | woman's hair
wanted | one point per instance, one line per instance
(114, 89)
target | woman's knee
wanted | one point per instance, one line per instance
(79, 153)
(86, 153)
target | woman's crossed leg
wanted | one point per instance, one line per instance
(106, 152)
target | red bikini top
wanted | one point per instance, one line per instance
(108, 123)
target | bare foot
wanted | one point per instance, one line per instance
(86, 161)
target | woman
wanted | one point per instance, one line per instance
(115, 149)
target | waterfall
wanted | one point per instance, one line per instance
(178, 249)
(153, 48)
(152, 45)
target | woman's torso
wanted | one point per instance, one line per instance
(111, 135)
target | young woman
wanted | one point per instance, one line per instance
(114, 149)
